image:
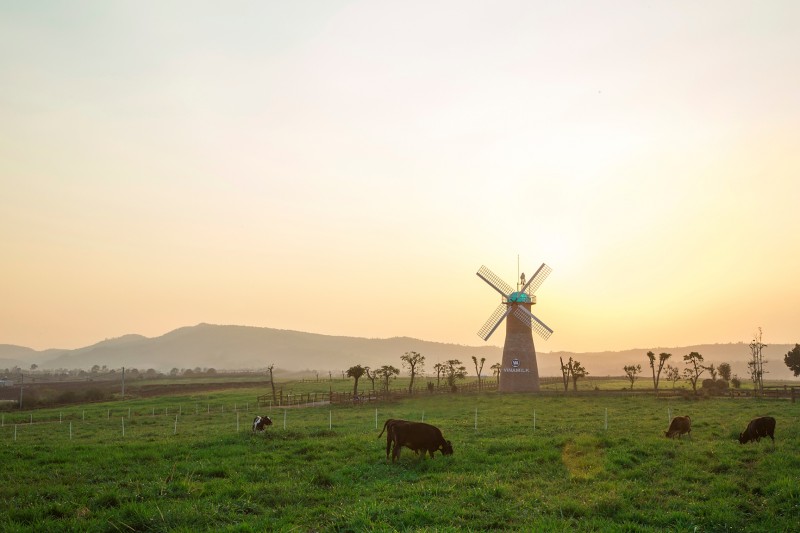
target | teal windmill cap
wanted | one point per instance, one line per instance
(519, 297)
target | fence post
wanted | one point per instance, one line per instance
(284, 419)
(606, 425)
(175, 431)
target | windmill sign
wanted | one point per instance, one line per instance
(519, 371)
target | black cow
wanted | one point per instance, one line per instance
(261, 422)
(420, 437)
(763, 426)
(388, 427)
(679, 426)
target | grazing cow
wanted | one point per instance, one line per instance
(388, 427)
(763, 426)
(679, 426)
(261, 422)
(420, 437)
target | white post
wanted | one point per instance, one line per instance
(669, 416)
(129, 413)
(166, 411)
(423, 416)
(154, 411)
(123, 427)
(247, 406)
(606, 425)
(476, 418)
(196, 409)
(59, 418)
(284, 419)
(175, 431)
(15, 433)
(70, 431)
(330, 420)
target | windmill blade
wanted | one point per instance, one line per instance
(494, 321)
(494, 281)
(527, 318)
(537, 279)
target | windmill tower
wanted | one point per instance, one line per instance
(519, 371)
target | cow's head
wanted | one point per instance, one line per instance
(447, 448)
(743, 438)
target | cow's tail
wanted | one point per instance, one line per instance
(385, 425)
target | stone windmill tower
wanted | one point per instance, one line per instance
(519, 371)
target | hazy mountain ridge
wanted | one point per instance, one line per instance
(246, 347)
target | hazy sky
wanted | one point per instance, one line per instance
(346, 167)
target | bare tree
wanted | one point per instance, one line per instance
(496, 369)
(695, 369)
(662, 359)
(370, 377)
(631, 371)
(756, 364)
(415, 363)
(478, 369)
(566, 371)
(439, 367)
(272, 382)
(672, 374)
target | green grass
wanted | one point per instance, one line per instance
(567, 474)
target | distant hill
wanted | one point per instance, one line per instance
(243, 347)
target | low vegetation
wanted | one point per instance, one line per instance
(191, 463)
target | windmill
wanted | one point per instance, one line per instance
(519, 371)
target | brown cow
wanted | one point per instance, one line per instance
(261, 422)
(679, 426)
(763, 426)
(420, 437)
(388, 427)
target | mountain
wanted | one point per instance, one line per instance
(243, 347)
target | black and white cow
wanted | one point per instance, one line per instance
(261, 422)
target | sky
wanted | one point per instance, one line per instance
(345, 167)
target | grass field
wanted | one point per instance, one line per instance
(183, 466)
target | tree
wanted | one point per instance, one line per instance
(415, 363)
(792, 359)
(478, 369)
(566, 370)
(355, 372)
(370, 377)
(672, 374)
(439, 367)
(453, 370)
(756, 364)
(695, 368)
(631, 371)
(34, 366)
(662, 359)
(578, 372)
(724, 370)
(386, 372)
(496, 369)
(272, 382)
(713, 371)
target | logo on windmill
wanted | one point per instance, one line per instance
(519, 371)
